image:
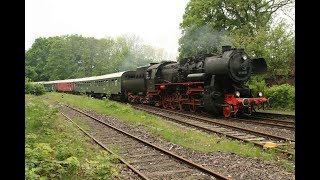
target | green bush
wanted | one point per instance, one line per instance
(283, 96)
(36, 89)
(56, 149)
(40, 161)
(71, 164)
(102, 166)
(257, 84)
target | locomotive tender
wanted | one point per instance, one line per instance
(211, 83)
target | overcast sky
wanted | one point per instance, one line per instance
(156, 22)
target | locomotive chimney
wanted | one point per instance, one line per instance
(225, 48)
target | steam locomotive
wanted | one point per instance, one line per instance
(210, 83)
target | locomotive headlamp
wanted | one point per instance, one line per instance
(244, 57)
(237, 93)
(260, 94)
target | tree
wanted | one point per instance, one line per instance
(275, 45)
(223, 16)
(59, 64)
(30, 72)
(36, 58)
(231, 14)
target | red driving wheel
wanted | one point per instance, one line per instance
(174, 101)
(227, 111)
(181, 108)
(165, 102)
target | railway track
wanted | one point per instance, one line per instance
(281, 117)
(284, 145)
(277, 123)
(254, 119)
(145, 159)
(274, 123)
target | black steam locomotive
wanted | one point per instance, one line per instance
(211, 83)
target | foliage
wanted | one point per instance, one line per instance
(74, 56)
(56, 149)
(30, 72)
(209, 24)
(275, 45)
(231, 14)
(102, 166)
(283, 96)
(36, 58)
(33, 88)
(257, 84)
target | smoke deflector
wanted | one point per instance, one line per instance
(259, 66)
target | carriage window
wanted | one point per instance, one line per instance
(116, 82)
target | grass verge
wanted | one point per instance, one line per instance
(187, 137)
(56, 149)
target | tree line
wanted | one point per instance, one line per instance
(75, 56)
